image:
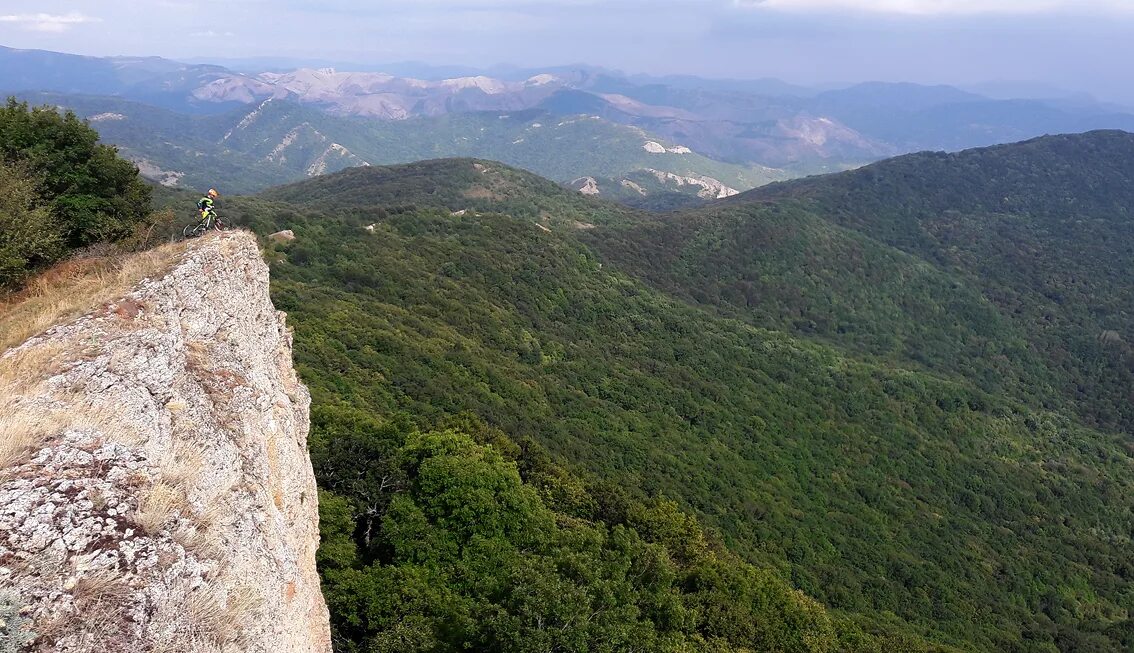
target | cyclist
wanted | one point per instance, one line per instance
(205, 205)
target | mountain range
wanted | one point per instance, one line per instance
(277, 141)
(737, 134)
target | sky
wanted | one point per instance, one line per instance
(1077, 45)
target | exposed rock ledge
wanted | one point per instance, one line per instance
(167, 501)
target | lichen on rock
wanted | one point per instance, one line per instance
(162, 498)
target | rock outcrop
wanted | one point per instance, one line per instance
(711, 189)
(155, 488)
(586, 185)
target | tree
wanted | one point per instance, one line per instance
(96, 195)
(353, 455)
(29, 234)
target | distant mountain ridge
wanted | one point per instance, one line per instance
(752, 124)
(277, 141)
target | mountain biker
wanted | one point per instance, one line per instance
(205, 205)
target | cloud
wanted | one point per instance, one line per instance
(48, 22)
(942, 7)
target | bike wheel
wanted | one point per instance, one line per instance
(220, 225)
(193, 230)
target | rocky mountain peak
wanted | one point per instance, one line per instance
(155, 487)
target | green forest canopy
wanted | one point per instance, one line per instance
(941, 496)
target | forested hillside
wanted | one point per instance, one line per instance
(455, 184)
(1044, 230)
(865, 423)
(889, 410)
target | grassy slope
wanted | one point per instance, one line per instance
(880, 489)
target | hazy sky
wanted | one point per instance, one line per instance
(1083, 45)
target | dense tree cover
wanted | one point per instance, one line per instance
(1042, 229)
(69, 190)
(779, 266)
(909, 501)
(436, 541)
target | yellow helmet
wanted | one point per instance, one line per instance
(213, 192)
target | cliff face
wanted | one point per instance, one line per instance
(155, 488)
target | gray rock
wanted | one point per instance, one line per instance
(285, 236)
(165, 441)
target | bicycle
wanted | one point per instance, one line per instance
(213, 221)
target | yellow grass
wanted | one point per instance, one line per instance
(205, 618)
(23, 429)
(223, 615)
(23, 369)
(25, 424)
(181, 464)
(74, 288)
(203, 529)
(98, 585)
(159, 507)
(19, 435)
(64, 292)
(20, 374)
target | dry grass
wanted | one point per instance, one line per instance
(180, 644)
(159, 507)
(104, 611)
(76, 287)
(99, 616)
(27, 366)
(181, 464)
(24, 428)
(210, 617)
(20, 373)
(223, 615)
(99, 585)
(202, 531)
(216, 513)
(196, 354)
(200, 534)
(191, 538)
(20, 434)
(66, 291)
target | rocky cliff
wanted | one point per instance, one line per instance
(155, 488)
